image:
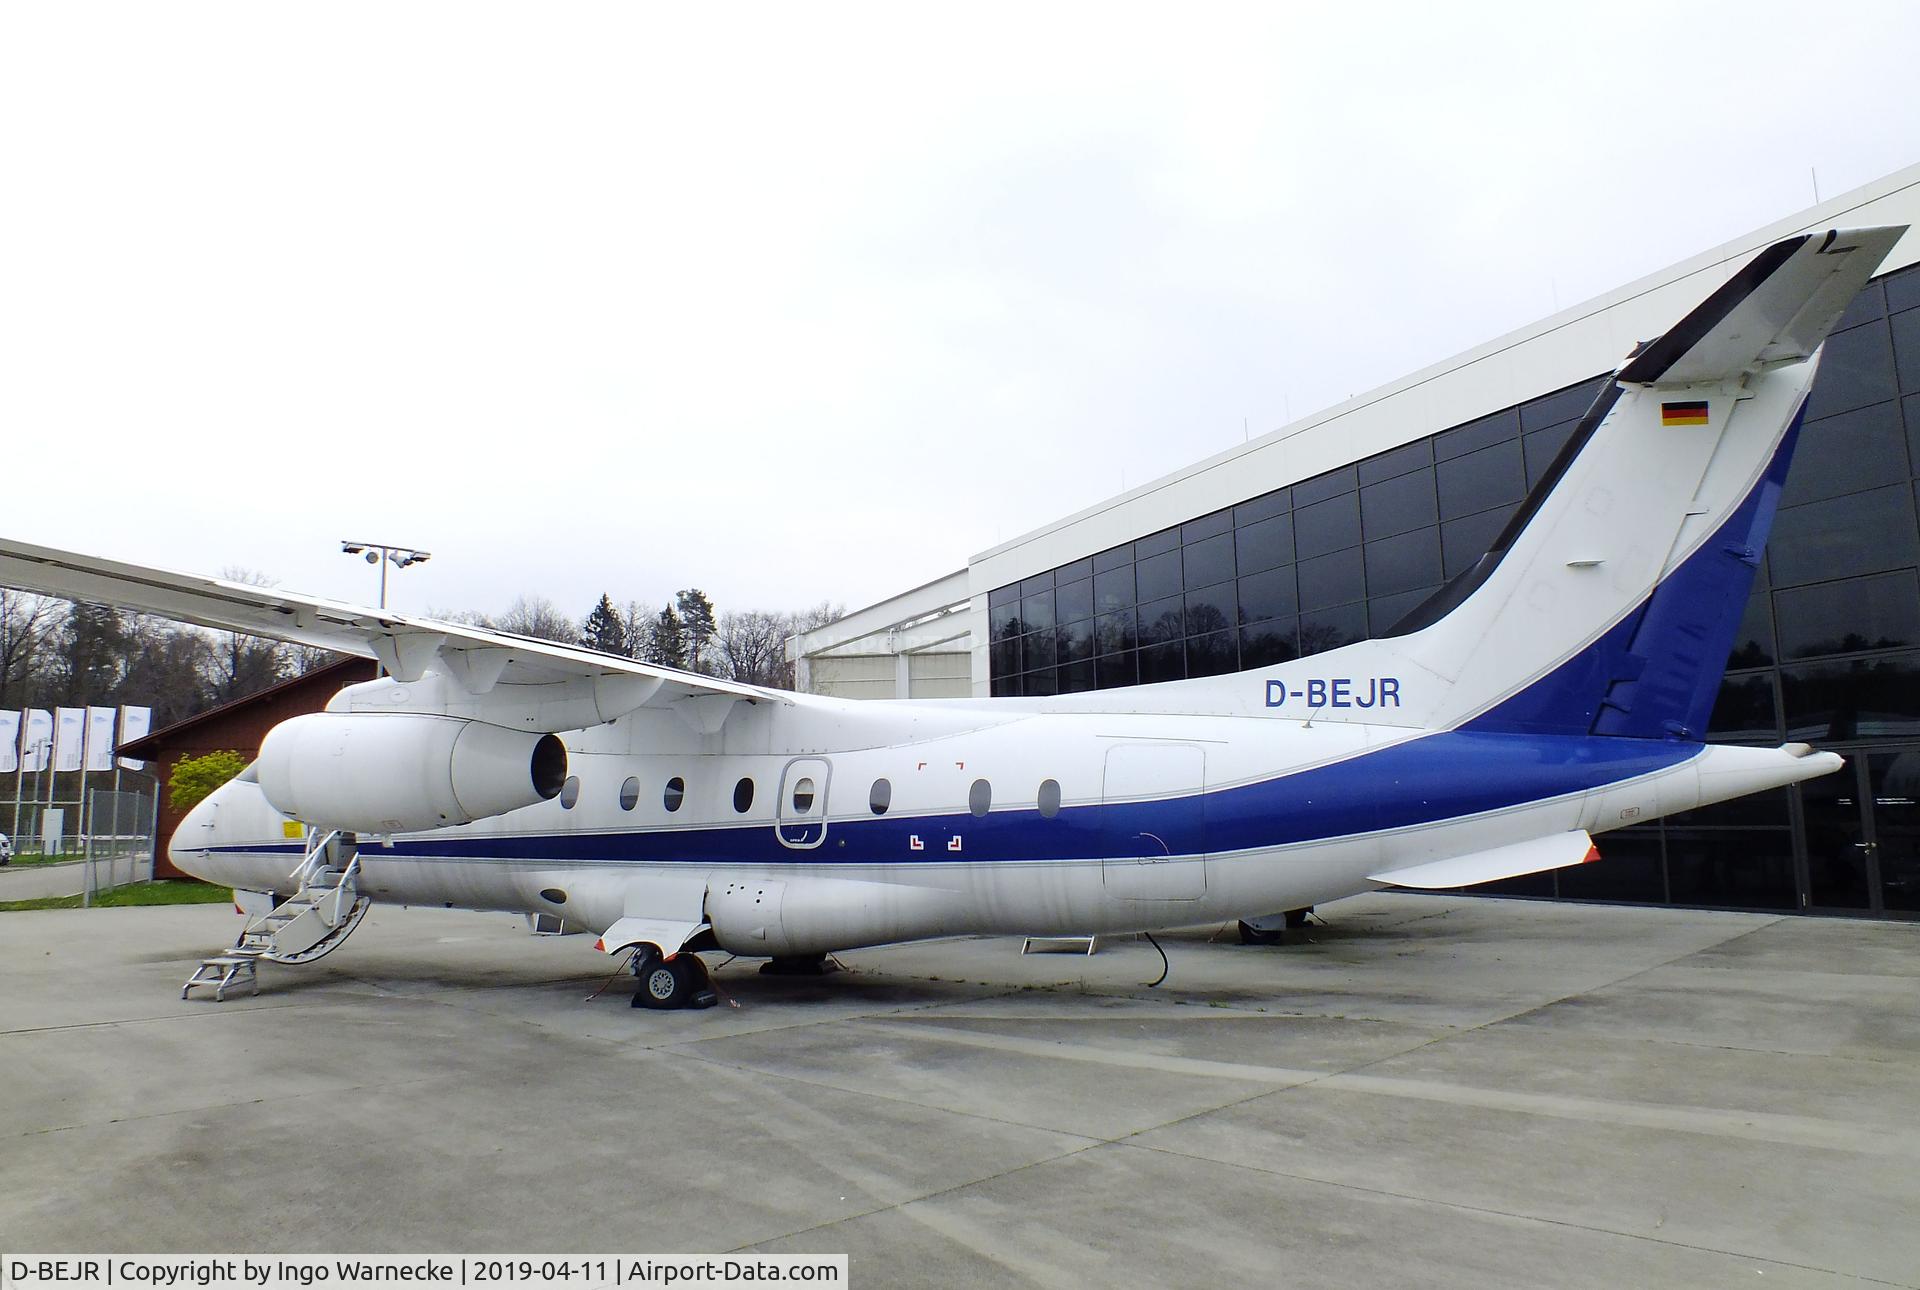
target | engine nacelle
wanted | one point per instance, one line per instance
(396, 772)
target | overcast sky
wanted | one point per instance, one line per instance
(797, 303)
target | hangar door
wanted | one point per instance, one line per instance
(1154, 822)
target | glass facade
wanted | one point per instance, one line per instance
(1829, 651)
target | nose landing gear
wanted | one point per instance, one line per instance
(678, 982)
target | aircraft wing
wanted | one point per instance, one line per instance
(478, 658)
(1555, 851)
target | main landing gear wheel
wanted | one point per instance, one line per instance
(678, 982)
(1251, 935)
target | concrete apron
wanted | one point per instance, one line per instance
(41, 881)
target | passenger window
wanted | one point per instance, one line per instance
(881, 797)
(1049, 798)
(980, 798)
(676, 793)
(569, 792)
(803, 795)
(630, 794)
(743, 796)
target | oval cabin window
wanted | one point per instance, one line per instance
(743, 796)
(881, 797)
(803, 795)
(570, 793)
(980, 798)
(676, 793)
(1049, 798)
(630, 794)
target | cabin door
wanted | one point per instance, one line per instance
(802, 817)
(1154, 822)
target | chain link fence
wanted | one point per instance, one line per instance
(80, 847)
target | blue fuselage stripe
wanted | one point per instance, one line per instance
(1423, 781)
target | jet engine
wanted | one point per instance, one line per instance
(396, 772)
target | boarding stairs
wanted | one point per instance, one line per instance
(325, 907)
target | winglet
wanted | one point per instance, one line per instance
(1776, 309)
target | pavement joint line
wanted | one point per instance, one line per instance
(1089, 1139)
(1093, 1145)
(438, 1077)
(1758, 1126)
(1722, 943)
(215, 1011)
(1452, 1034)
(1460, 1032)
(1217, 1162)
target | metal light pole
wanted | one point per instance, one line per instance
(383, 554)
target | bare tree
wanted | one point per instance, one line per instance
(804, 620)
(167, 666)
(311, 658)
(245, 664)
(820, 615)
(537, 616)
(26, 624)
(751, 647)
(637, 621)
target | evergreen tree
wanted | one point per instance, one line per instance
(697, 627)
(668, 646)
(92, 646)
(603, 629)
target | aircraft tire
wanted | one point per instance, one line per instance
(1251, 935)
(663, 985)
(679, 982)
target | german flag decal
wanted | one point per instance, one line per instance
(1684, 414)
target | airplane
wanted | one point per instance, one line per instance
(1559, 688)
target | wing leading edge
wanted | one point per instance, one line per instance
(477, 659)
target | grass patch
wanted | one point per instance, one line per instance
(167, 891)
(27, 859)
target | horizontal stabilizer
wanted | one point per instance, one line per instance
(1536, 855)
(1776, 309)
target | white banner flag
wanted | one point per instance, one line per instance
(69, 737)
(100, 722)
(37, 742)
(134, 724)
(9, 742)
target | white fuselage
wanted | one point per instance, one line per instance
(1162, 820)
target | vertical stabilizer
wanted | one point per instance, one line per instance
(1610, 603)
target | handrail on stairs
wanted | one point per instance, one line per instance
(301, 871)
(345, 891)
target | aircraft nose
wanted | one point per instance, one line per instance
(190, 845)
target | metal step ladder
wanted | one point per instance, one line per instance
(325, 907)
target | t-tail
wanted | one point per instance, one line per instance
(1608, 606)
(1610, 603)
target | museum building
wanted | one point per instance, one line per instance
(1333, 529)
